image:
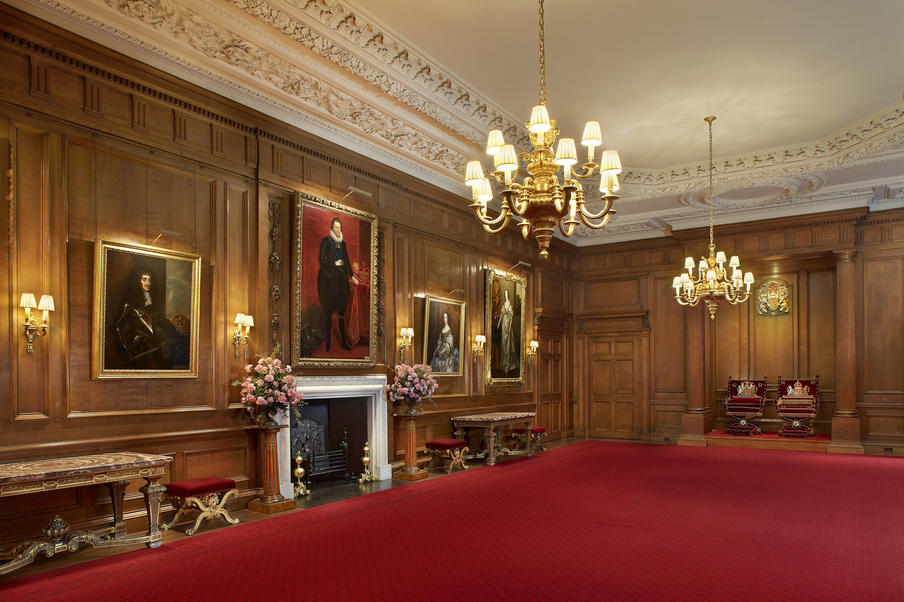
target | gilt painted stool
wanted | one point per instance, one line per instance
(202, 495)
(455, 449)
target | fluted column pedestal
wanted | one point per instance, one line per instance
(410, 472)
(697, 419)
(272, 500)
(846, 436)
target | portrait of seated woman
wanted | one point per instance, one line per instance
(442, 344)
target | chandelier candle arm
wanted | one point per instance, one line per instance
(540, 200)
(712, 282)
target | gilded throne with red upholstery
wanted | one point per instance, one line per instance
(797, 402)
(744, 403)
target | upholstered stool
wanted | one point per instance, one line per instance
(202, 495)
(455, 449)
(537, 433)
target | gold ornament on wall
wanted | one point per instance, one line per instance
(773, 298)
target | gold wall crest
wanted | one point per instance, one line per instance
(773, 298)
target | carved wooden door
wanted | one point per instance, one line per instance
(552, 385)
(615, 386)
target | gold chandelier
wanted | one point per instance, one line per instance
(539, 200)
(712, 282)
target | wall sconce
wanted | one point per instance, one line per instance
(239, 338)
(477, 347)
(532, 348)
(406, 335)
(32, 328)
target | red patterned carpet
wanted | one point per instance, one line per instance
(591, 521)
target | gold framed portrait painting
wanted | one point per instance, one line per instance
(146, 312)
(444, 331)
(334, 314)
(504, 325)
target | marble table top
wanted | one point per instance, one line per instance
(74, 471)
(494, 416)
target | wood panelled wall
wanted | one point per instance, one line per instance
(95, 146)
(622, 291)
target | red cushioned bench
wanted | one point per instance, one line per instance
(203, 495)
(454, 449)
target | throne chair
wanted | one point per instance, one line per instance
(744, 404)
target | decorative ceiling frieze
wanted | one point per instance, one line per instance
(328, 67)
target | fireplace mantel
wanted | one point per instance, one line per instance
(331, 387)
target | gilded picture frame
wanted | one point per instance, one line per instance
(334, 308)
(504, 327)
(444, 347)
(146, 312)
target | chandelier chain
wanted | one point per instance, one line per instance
(542, 58)
(712, 244)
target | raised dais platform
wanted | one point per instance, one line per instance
(817, 443)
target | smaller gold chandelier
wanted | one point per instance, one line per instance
(712, 282)
(540, 200)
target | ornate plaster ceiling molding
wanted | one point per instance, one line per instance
(877, 195)
(874, 139)
(397, 69)
(760, 192)
(267, 75)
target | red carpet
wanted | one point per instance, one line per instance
(591, 521)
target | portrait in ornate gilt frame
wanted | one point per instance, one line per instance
(773, 298)
(334, 313)
(444, 331)
(504, 325)
(146, 312)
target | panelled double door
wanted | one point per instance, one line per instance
(618, 402)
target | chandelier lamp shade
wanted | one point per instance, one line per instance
(540, 200)
(713, 280)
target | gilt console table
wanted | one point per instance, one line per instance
(114, 469)
(490, 422)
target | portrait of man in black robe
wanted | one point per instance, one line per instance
(333, 281)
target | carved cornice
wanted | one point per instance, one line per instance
(861, 143)
(328, 67)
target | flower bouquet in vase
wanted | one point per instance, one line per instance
(269, 388)
(412, 385)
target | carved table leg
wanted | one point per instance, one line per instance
(490, 438)
(117, 492)
(153, 491)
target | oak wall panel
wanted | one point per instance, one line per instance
(883, 311)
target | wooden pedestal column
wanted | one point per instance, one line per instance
(697, 419)
(410, 472)
(272, 501)
(846, 420)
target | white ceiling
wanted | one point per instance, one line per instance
(775, 72)
(808, 93)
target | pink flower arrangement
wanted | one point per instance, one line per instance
(412, 385)
(268, 388)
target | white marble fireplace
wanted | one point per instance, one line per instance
(331, 387)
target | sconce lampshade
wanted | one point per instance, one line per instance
(592, 134)
(539, 120)
(46, 303)
(610, 163)
(566, 153)
(484, 192)
(506, 159)
(495, 142)
(247, 320)
(28, 301)
(473, 173)
(609, 184)
(239, 319)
